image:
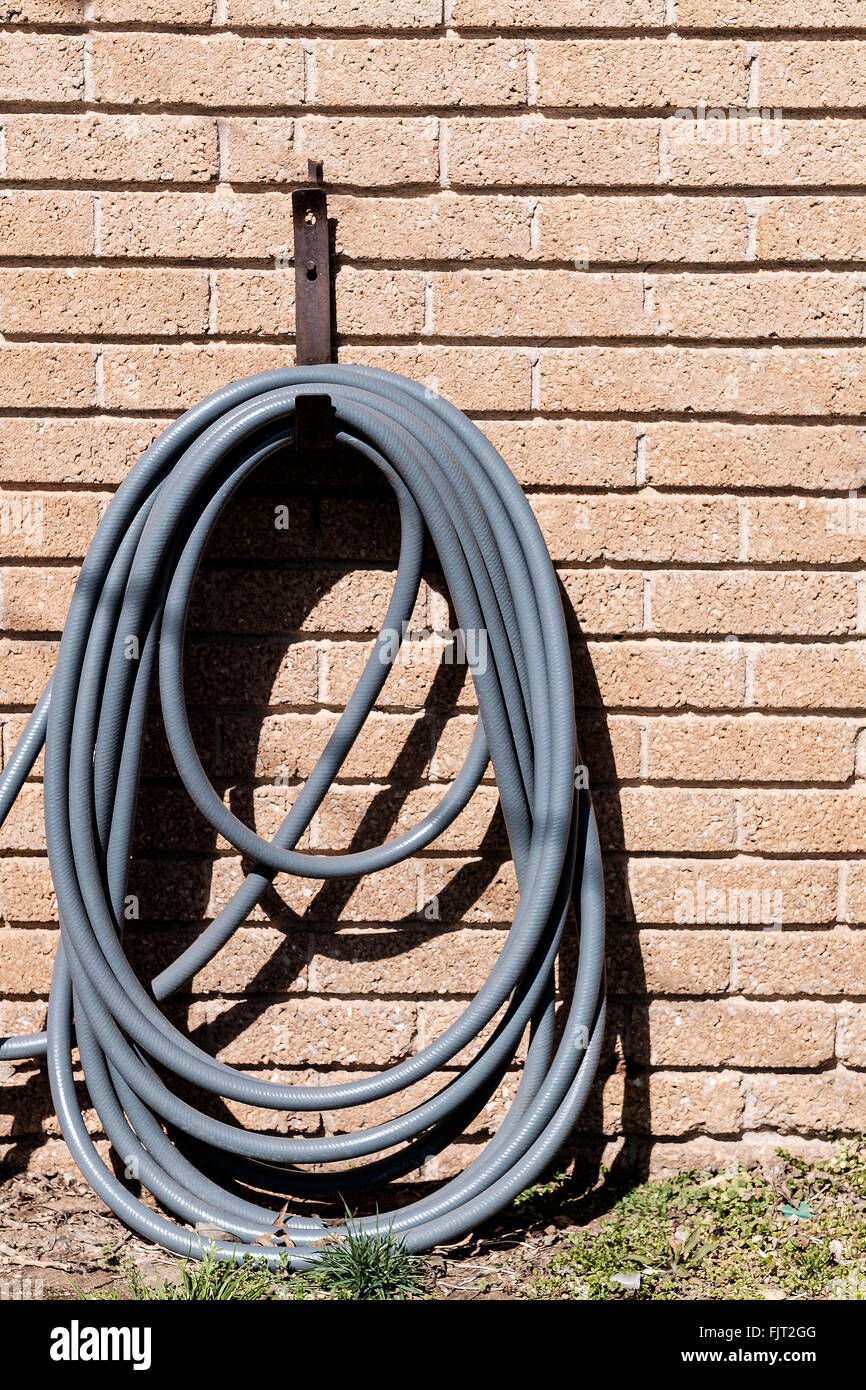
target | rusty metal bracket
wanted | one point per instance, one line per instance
(314, 414)
(312, 275)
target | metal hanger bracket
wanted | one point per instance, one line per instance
(314, 414)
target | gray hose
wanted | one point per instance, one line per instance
(136, 582)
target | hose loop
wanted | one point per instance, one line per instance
(136, 581)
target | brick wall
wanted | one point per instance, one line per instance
(563, 217)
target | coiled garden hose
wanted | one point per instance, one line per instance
(135, 583)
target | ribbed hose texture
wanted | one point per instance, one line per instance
(125, 629)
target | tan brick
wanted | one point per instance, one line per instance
(33, 222)
(368, 301)
(96, 148)
(672, 1103)
(809, 676)
(304, 1032)
(471, 378)
(225, 225)
(761, 748)
(220, 225)
(738, 1034)
(256, 601)
(763, 603)
(25, 668)
(11, 728)
(639, 526)
(41, 68)
(290, 744)
(756, 381)
(73, 449)
(567, 453)
(604, 601)
(186, 890)
(548, 14)
(24, 828)
(855, 912)
(26, 891)
(669, 962)
(810, 75)
(358, 529)
(403, 962)
(23, 1016)
(175, 377)
(336, 14)
(582, 429)
(166, 823)
(809, 821)
(534, 150)
(451, 740)
(255, 960)
(732, 892)
(264, 673)
(365, 151)
(57, 525)
(764, 304)
(851, 1036)
(616, 73)
(52, 375)
(764, 152)
(35, 600)
(473, 891)
(436, 1015)
(800, 962)
(411, 679)
(538, 304)
(611, 751)
(213, 70)
(806, 530)
(152, 377)
(622, 734)
(810, 227)
(666, 820)
(770, 14)
(667, 675)
(33, 12)
(26, 960)
(106, 11)
(831, 1101)
(420, 72)
(158, 11)
(381, 813)
(432, 227)
(666, 1159)
(105, 301)
(716, 454)
(598, 228)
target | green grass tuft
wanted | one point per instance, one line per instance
(368, 1267)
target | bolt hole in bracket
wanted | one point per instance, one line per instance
(314, 414)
